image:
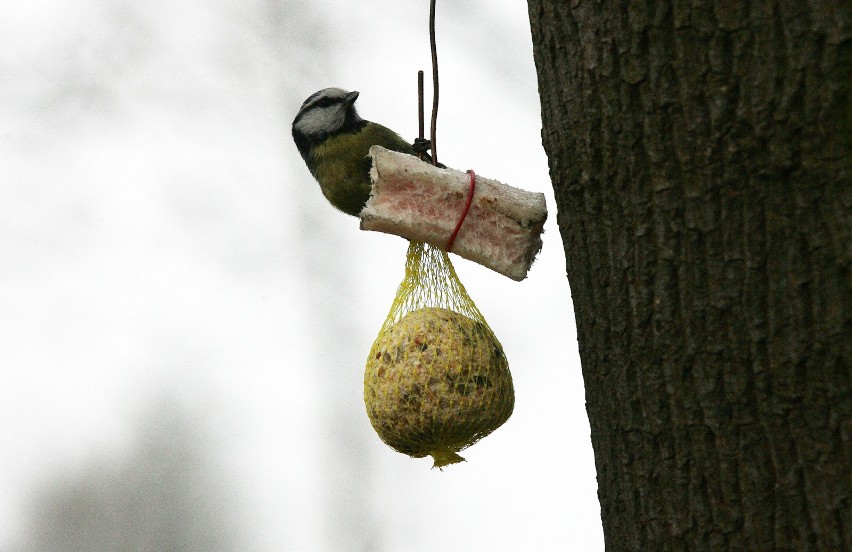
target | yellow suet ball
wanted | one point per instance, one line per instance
(436, 382)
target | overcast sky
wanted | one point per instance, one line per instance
(184, 320)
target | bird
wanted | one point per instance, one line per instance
(334, 142)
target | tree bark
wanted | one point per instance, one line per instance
(701, 157)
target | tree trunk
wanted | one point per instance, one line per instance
(701, 156)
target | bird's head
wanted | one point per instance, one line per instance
(325, 113)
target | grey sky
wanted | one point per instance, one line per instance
(168, 265)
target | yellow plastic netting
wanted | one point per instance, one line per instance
(437, 380)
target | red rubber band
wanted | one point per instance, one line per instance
(466, 209)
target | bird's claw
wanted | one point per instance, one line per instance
(421, 145)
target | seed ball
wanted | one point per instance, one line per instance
(437, 382)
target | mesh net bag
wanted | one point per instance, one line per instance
(437, 380)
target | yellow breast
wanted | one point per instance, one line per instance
(341, 166)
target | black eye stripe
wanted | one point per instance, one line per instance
(323, 99)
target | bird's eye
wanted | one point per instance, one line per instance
(324, 102)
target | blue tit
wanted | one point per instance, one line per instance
(334, 142)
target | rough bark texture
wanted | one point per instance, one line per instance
(701, 157)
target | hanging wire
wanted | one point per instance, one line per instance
(433, 129)
(420, 135)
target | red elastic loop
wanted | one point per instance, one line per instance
(466, 209)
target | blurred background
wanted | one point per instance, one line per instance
(184, 320)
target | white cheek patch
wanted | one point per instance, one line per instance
(324, 120)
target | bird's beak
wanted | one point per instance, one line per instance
(351, 97)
